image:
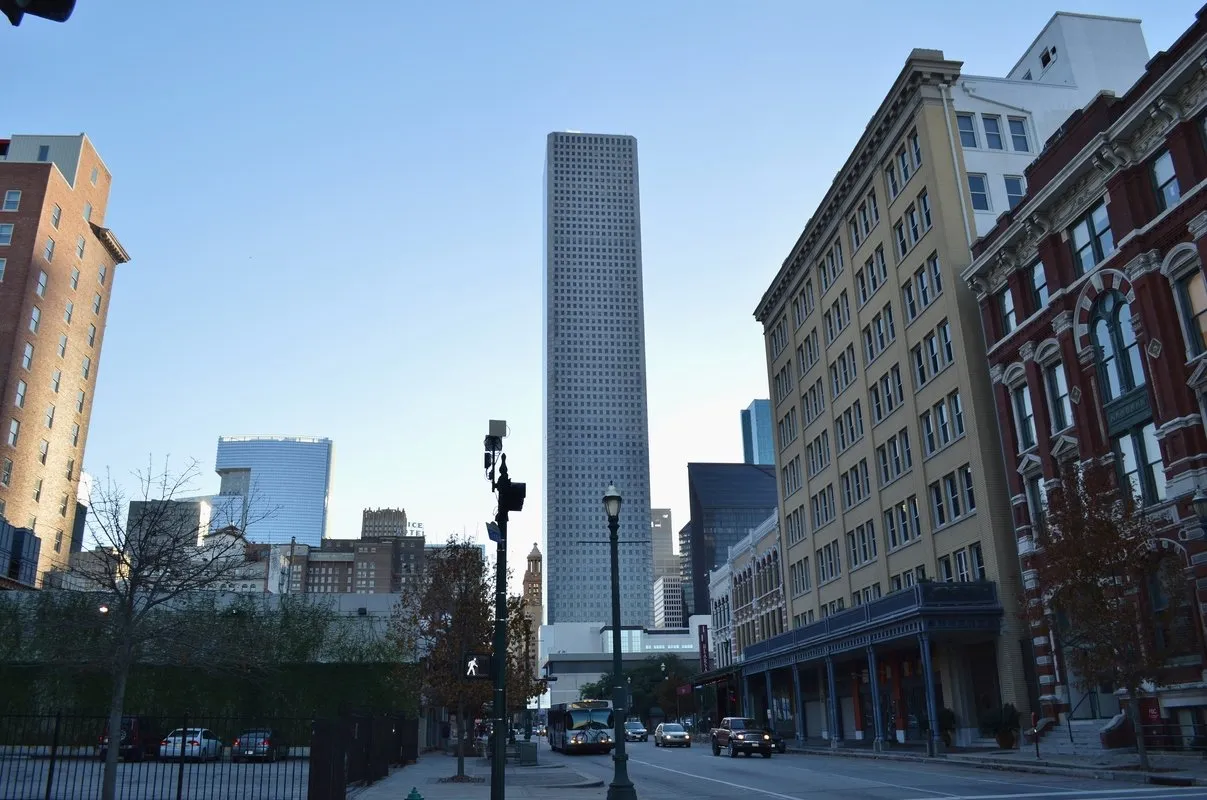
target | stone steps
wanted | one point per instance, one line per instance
(1085, 738)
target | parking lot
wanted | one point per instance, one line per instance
(23, 778)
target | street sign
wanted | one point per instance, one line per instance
(476, 667)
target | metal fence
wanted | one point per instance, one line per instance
(61, 757)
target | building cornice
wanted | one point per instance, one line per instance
(922, 68)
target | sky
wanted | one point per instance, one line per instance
(335, 216)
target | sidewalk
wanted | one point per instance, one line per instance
(1120, 765)
(543, 781)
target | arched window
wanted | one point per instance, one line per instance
(1119, 361)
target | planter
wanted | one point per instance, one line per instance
(1005, 740)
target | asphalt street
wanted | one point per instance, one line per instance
(80, 779)
(695, 773)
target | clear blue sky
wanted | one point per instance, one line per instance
(335, 218)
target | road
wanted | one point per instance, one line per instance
(80, 779)
(668, 774)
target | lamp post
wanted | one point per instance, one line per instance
(621, 787)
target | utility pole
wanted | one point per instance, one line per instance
(510, 498)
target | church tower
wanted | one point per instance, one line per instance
(534, 607)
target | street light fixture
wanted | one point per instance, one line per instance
(103, 609)
(621, 787)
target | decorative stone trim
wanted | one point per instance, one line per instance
(1154, 349)
(1142, 264)
(1015, 375)
(1064, 321)
(1105, 280)
(1029, 463)
(995, 373)
(1027, 351)
(1198, 226)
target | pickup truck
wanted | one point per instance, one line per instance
(741, 735)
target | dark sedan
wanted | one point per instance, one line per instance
(259, 743)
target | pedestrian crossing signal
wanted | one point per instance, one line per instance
(476, 667)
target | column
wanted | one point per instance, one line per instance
(770, 704)
(800, 704)
(877, 711)
(932, 705)
(900, 722)
(832, 702)
(747, 699)
(857, 705)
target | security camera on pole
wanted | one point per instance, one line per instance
(511, 498)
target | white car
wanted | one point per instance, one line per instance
(200, 744)
(671, 734)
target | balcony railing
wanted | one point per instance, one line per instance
(917, 599)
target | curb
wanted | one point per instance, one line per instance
(1037, 768)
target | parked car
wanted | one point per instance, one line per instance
(671, 734)
(634, 731)
(139, 739)
(740, 735)
(259, 743)
(201, 744)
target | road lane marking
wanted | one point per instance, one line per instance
(1147, 793)
(730, 784)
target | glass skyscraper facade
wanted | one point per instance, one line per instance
(285, 482)
(756, 434)
(596, 424)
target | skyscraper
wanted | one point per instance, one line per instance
(284, 482)
(57, 265)
(756, 434)
(596, 426)
(662, 537)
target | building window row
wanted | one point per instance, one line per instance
(873, 275)
(794, 523)
(879, 334)
(817, 453)
(965, 564)
(924, 286)
(942, 423)
(779, 338)
(908, 578)
(843, 371)
(861, 545)
(798, 572)
(814, 401)
(783, 382)
(792, 477)
(787, 428)
(822, 507)
(894, 457)
(856, 485)
(808, 353)
(993, 135)
(952, 497)
(830, 266)
(837, 317)
(804, 303)
(902, 166)
(829, 563)
(933, 354)
(902, 523)
(887, 394)
(849, 426)
(866, 595)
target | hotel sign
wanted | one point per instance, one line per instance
(705, 654)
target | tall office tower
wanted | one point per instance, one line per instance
(57, 264)
(596, 427)
(663, 538)
(756, 433)
(284, 481)
(377, 522)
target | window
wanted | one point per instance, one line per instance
(787, 427)
(43, 279)
(1039, 285)
(86, 369)
(35, 319)
(94, 176)
(63, 505)
(56, 214)
(75, 434)
(1016, 190)
(902, 523)
(783, 383)
(96, 309)
(27, 356)
(48, 250)
(902, 241)
(814, 401)
(1119, 361)
(829, 562)
(79, 247)
(19, 400)
(62, 345)
(1024, 418)
(915, 147)
(1165, 180)
(817, 453)
(1018, 135)
(88, 212)
(879, 333)
(801, 579)
(3, 267)
(79, 401)
(978, 186)
(872, 276)
(1091, 238)
(861, 545)
(1037, 505)
(792, 477)
(1005, 308)
(43, 152)
(75, 279)
(70, 468)
(887, 394)
(894, 458)
(14, 432)
(924, 207)
(56, 379)
(91, 334)
(1058, 396)
(49, 416)
(967, 130)
(856, 485)
(101, 274)
(946, 573)
(68, 310)
(952, 497)
(913, 224)
(843, 371)
(43, 451)
(38, 490)
(6, 233)
(993, 132)
(1138, 461)
(12, 200)
(6, 472)
(1192, 294)
(890, 178)
(837, 317)
(849, 426)
(822, 507)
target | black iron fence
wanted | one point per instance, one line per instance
(183, 757)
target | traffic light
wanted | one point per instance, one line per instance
(54, 10)
(511, 496)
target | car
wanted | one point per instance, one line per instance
(259, 743)
(634, 731)
(671, 734)
(741, 735)
(201, 744)
(139, 739)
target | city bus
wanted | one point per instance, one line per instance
(585, 726)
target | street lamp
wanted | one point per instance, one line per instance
(621, 787)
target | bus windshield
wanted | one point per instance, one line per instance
(581, 719)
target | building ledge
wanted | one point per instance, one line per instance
(109, 240)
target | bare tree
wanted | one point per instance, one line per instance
(1101, 566)
(152, 551)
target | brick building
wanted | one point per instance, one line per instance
(57, 264)
(1095, 315)
(384, 565)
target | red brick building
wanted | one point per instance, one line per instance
(1095, 313)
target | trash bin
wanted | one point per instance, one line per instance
(527, 754)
